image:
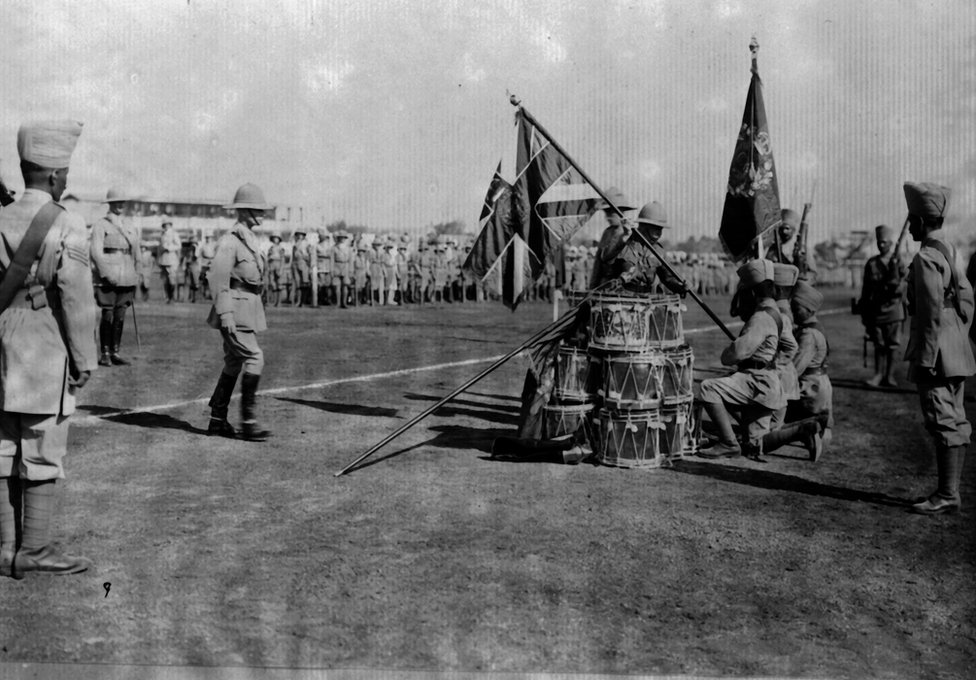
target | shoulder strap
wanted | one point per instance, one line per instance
(777, 318)
(258, 260)
(953, 292)
(26, 253)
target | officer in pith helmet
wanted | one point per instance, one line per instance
(170, 246)
(47, 336)
(236, 278)
(636, 265)
(116, 265)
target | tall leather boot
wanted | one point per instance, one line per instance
(36, 552)
(946, 496)
(106, 335)
(219, 403)
(250, 429)
(117, 324)
(10, 509)
(728, 445)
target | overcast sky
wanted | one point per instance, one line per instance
(394, 114)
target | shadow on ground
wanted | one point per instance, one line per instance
(449, 436)
(347, 409)
(776, 481)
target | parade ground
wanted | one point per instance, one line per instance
(432, 557)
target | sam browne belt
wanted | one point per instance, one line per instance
(253, 288)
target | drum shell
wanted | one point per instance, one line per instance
(619, 323)
(677, 384)
(629, 439)
(632, 381)
(578, 376)
(577, 419)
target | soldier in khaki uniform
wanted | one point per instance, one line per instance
(170, 247)
(115, 272)
(276, 267)
(236, 277)
(301, 270)
(882, 305)
(613, 238)
(47, 352)
(940, 358)
(754, 389)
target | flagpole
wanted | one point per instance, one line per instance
(667, 265)
(521, 348)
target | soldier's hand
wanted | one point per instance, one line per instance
(79, 382)
(227, 323)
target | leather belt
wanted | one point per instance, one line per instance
(821, 370)
(253, 288)
(116, 250)
(756, 364)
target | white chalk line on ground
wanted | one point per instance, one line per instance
(93, 419)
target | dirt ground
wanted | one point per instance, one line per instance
(433, 557)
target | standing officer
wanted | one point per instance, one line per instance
(613, 238)
(276, 266)
(940, 358)
(342, 256)
(170, 247)
(235, 279)
(206, 254)
(635, 263)
(882, 305)
(115, 272)
(47, 347)
(301, 270)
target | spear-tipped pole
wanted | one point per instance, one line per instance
(661, 258)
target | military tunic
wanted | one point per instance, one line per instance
(236, 276)
(169, 258)
(939, 354)
(47, 335)
(115, 261)
(755, 385)
(882, 301)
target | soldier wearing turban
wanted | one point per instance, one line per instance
(47, 348)
(882, 305)
(940, 358)
(754, 389)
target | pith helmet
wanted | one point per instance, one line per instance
(249, 196)
(115, 195)
(653, 213)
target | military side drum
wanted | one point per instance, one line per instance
(630, 439)
(633, 381)
(578, 375)
(576, 419)
(619, 323)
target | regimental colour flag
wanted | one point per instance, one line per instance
(752, 198)
(525, 222)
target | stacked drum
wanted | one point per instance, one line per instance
(646, 418)
(575, 399)
(629, 392)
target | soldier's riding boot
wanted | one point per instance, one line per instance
(250, 429)
(219, 402)
(727, 446)
(117, 324)
(106, 335)
(9, 523)
(949, 460)
(36, 552)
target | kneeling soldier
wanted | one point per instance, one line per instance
(754, 389)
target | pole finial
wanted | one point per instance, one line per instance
(512, 99)
(754, 49)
